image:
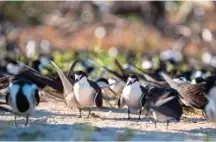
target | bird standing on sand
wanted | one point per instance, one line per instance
(163, 103)
(82, 92)
(133, 95)
(22, 97)
(87, 92)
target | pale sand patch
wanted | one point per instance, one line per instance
(54, 121)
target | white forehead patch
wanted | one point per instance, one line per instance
(111, 80)
(28, 89)
(193, 81)
(76, 76)
(131, 79)
(198, 74)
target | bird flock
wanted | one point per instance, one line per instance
(156, 92)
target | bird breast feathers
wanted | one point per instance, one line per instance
(132, 91)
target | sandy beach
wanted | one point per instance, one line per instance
(55, 121)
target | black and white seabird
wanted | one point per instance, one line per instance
(86, 91)
(81, 93)
(133, 95)
(163, 103)
(22, 97)
(194, 95)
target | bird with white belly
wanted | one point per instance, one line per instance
(133, 95)
(22, 97)
(82, 92)
(87, 92)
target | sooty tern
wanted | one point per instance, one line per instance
(86, 91)
(133, 95)
(192, 94)
(163, 103)
(82, 92)
(22, 97)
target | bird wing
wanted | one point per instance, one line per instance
(150, 98)
(197, 98)
(40, 80)
(68, 87)
(156, 93)
(169, 80)
(168, 106)
(162, 101)
(5, 109)
(37, 97)
(121, 102)
(149, 77)
(116, 74)
(72, 68)
(111, 71)
(194, 94)
(120, 68)
(165, 111)
(114, 93)
(143, 99)
(98, 97)
(7, 98)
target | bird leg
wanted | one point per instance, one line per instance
(140, 112)
(89, 113)
(27, 118)
(167, 124)
(128, 114)
(155, 123)
(15, 123)
(80, 114)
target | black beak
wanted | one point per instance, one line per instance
(130, 82)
